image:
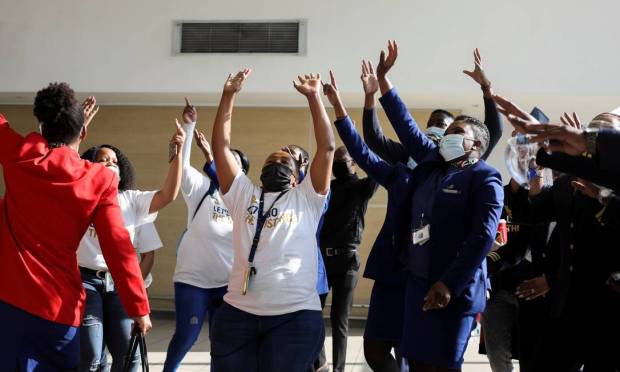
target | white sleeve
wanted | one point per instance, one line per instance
(141, 204)
(186, 149)
(147, 238)
(315, 200)
(239, 195)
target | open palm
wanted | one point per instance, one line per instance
(234, 83)
(478, 73)
(369, 79)
(308, 84)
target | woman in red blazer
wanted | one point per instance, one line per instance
(51, 198)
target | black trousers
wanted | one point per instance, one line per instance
(342, 277)
(586, 335)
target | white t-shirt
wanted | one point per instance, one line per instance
(285, 260)
(147, 240)
(205, 254)
(135, 207)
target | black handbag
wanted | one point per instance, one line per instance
(137, 340)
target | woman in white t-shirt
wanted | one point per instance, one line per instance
(105, 321)
(205, 254)
(271, 317)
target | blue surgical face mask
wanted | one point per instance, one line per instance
(435, 132)
(451, 146)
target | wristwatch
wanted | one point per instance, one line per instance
(604, 194)
(591, 135)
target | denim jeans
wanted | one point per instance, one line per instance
(105, 324)
(241, 341)
(192, 305)
(29, 343)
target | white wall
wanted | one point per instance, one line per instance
(559, 54)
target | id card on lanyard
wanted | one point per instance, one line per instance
(250, 270)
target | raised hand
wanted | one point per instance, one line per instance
(190, 115)
(308, 84)
(331, 90)
(90, 109)
(369, 79)
(520, 119)
(574, 122)
(478, 73)
(203, 145)
(178, 138)
(333, 95)
(234, 84)
(562, 138)
(386, 62)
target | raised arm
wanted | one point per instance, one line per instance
(172, 184)
(416, 143)
(9, 140)
(492, 118)
(321, 167)
(227, 167)
(391, 151)
(374, 166)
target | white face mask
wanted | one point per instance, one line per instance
(451, 146)
(115, 169)
(435, 132)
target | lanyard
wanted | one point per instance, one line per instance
(260, 222)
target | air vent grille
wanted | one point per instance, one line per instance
(240, 37)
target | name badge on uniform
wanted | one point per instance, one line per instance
(422, 235)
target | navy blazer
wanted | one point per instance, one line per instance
(466, 209)
(393, 152)
(383, 263)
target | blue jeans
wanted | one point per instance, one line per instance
(105, 323)
(29, 343)
(192, 304)
(241, 341)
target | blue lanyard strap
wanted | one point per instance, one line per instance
(260, 222)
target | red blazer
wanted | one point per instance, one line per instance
(51, 197)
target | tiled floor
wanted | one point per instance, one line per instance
(199, 360)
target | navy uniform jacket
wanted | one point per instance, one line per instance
(394, 152)
(466, 208)
(383, 263)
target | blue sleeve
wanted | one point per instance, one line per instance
(209, 169)
(493, 121)
(416, 143)
(487, 202)
(377, 168)
(391, 151)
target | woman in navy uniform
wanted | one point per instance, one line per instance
(453, 221)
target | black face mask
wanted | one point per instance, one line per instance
(340, 169)
(276, 177)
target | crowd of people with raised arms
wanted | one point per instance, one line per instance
(534, 263)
